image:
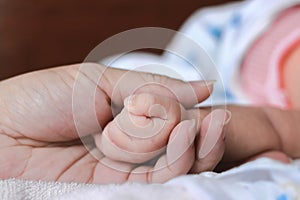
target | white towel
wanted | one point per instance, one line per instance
(263, 179)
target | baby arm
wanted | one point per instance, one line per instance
(260, 131)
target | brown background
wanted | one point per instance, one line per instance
(35, 34)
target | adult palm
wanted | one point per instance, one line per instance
(45, 116)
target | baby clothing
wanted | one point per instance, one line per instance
(262, 69)
(247, 41)
(238, 44)
(263, 179)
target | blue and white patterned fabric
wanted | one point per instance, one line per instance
(262, 179)
(224, 33)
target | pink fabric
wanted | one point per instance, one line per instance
(261, 71)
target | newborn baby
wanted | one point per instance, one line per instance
(153, 128)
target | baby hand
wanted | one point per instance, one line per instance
(141, 131)
(151, 126)
(148, 127)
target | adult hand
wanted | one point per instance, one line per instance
(46, 114)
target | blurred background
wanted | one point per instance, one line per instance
(37, 34)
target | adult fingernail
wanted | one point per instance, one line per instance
(204, 82)
(129, 101)
(210, 82)
(227, 117)
(213, 132)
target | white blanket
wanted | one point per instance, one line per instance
(261, 179)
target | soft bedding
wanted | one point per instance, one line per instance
(260, 179)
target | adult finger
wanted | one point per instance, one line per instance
(210, 142)
(179, 156)
(127, 83)
(77, 100)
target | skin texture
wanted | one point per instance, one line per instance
(39, 139)
(261, 135)
(126, 138)
(141, 131)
